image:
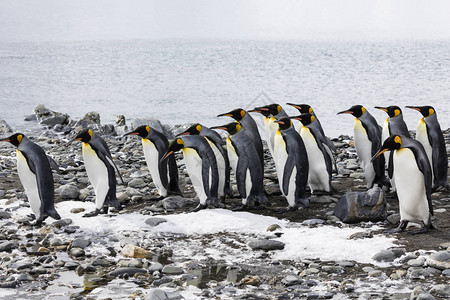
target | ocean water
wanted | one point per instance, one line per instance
(185, 81)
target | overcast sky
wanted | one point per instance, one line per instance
(49, 20)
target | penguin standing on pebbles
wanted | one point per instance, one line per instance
(429, 134)
(367, 134)
(246, 164)
(100, 169)
(164, 174)
(318, 154)
(413, 181)
(291, 162)
(219, 147)
(36, 177)
(394, 125)
(201, 166)
(250, 127)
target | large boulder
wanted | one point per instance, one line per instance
(49, 117)
(354, 207)
(5, 128)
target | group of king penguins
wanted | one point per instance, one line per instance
(303, 157)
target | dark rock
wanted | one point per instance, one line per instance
(128, 271)
(77, 252)
(8, 246)
(384, 255)
(4, 215)
(69, 192)
(354, 207)
(137, 183)
(174, 202)
(440, 290)
(172, 270)
(80, 243)
(155, 221)
(266, 245)
(50, 118)
(291, 280)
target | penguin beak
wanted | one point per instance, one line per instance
(225, 115)
(414, 107)
(75, 139)
(381, 151)
(5, 140)
(381, 108)
(279, 122)
(299, 118)
(219, 127)
(345, 112)
(184, 133)
(166, 156)
(294, 105)
(131, 133)
(255, 110)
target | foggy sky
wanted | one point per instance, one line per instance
(56, 20)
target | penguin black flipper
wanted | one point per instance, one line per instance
(371, 128)
(241, 175)
(53, 164)
(101, 148)
(321, 142)
(44, 178)
(391, 165)
(439, 154)
(209, 165)
(161, 145)
(424, 167)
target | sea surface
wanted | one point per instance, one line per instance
(185, 81)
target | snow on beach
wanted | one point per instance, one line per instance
(301, 242)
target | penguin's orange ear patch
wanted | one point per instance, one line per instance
(430, 111)
(199, 128)
(180, 141)
(396, 112)
(238, 127)
(363, 109)
(398, 140)
(90, 133)
(310, 110)
(278, 108)
(19, 138)
(148, 129)
(242, 113)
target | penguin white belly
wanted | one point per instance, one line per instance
(232, 155)
(248, 187)
(422, 137)
(280, 157)
(29, 182)
(194, 168)
(220, 167)
(384, 135)
(410, 187)
(269, 130)
(152, 160)
(97, 174)
(318, 178)
(364, 150)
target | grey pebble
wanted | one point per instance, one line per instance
(172, 270)
(154, 221)
(264, 244)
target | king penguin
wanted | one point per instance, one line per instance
(36, 177)
(164, 174)
(393, 125)
(219, 147)
(413, 181)
(245, 162)
(100, 170)
(272, 112)
(201, 166)
(367, 134)
(307, 109)
(291, 162)
(320, 162)
(429, 134)
(250, 127)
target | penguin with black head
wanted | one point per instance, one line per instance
(219, 147)
(245, 162)
(100, 169)
(201, 166)
(429, 134)
(36, 176)
(413, 181)
(367, 135)
(164, 173)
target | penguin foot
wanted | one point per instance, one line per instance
(92, 213)
(31, 216)
(38, 223)
(159, 198)
(419, 231)
(218, 205)
(400, 228)
(240, 208)
(198, 208)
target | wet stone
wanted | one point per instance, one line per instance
(155, 267)
(69, 192)
(127, 271)
(77, 252)
(172, 270)
(77, 210)
(155, 221)
(137, 183)
(8, 246)
(4, 215)
(291, 280)
(416, 262)
(311, 222)
(80, 243)
(439, 260)
(266, 245)
(440, 290)
(273, 227)
(384, 255)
